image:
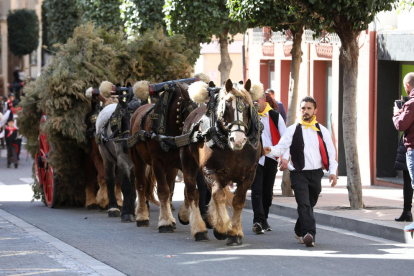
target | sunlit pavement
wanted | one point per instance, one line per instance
(35, 240)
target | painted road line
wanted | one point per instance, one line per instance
(65, 248)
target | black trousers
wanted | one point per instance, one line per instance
(307, 187)
(203, 193)
(11, 154)
(407, 191)
(262, 189)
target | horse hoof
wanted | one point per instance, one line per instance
(127, 218)
(182, 222)
(114, 214)
(166, 229)
(208, 225)
(234, 240)
(220, 236)
(202, 236)
(174, 225)
(104, 208)
(92, 207)
(142, 223)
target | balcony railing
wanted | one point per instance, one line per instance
(262, 35)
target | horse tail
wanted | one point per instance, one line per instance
(150, 185)
(229, 198)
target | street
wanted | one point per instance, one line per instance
(143, 251)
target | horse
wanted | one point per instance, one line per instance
(113, 123)
(165, 117)
(95, 171)
(229, 152)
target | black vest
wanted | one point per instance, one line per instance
(298, 145)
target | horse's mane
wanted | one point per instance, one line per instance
(236, 91)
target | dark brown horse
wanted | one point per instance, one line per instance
(235, 160)
(164, 161)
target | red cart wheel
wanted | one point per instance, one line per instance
(44, 171)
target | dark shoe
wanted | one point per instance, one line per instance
(405, 216)
(16, 165)
(308, 240)
(266, 226)
(257, 228)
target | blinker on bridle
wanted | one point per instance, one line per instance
(240, 106)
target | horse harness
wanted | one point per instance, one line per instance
(208, 128)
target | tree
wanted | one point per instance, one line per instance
(101, 12)
(279, 16)
(23, 31)
(348, 18)
(60, 18)
(140, 15)
(199, 20)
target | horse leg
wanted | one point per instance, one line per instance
(142, 211)
(110, 185)
(90, 202)
(102, 195)
(217, 216)
(127, 179)
(191, 202)
(236, 232)
(165, 224)
(184, 213)
(118, 193)
(171, 183)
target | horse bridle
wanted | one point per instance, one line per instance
(240, 106)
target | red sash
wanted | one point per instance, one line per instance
(323, 152)
(10, 130)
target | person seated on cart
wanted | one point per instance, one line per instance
(12, 143)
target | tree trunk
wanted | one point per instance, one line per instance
(293, 97)
(349, 58)
(225, 63)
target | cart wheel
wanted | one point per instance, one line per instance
(44, 170)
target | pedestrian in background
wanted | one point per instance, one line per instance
(281, 107)
(262, 186)
(404, 121)
(11, 137)
(401, 165)
(311, 149)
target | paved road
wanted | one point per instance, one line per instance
(143, 251)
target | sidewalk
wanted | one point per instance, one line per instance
(382, 204)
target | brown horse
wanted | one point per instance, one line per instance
(94, 166)
(235, 160)
(165, 161)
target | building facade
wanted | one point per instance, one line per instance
(386, 55)
(31, 67)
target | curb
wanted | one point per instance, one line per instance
(369, 227)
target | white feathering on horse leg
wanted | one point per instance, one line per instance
(236, 225)
(223, 223)
(102, 195)
(141, 211)
(114, 209)
(196, 221)
(184, 212)
(165, 211)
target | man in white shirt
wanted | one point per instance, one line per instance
(262, 186)
(311, 149)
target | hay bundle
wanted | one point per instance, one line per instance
(90, 57)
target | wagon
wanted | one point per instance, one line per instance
(44, 171)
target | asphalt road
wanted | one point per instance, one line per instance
(144, 251)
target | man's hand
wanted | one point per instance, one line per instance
(283, 165)
(333, 180)
(396, 109)
(266, 150)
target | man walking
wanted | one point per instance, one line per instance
(262, 186)
(311, 149)
(404, 121)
